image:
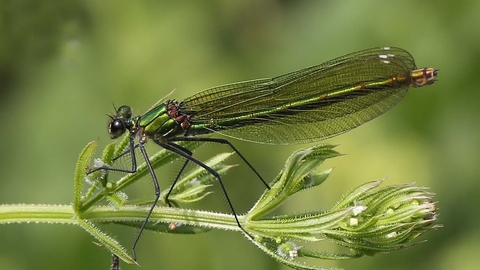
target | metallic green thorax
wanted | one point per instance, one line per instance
(163, 122)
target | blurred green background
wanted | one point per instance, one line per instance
(63, 64)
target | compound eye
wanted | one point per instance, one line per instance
(124, 112)
(116, 128)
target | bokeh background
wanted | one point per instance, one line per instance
(63, 64)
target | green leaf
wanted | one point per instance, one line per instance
(298, 174)
(80, 170)
(106, 241)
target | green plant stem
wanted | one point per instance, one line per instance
(64, 214)
(32, 213)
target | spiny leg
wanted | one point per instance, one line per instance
(126, 152)
(157, 196)
(186, 151)
(223, 141)
(133, 169)
(131, 151)
(169, 147)
(115, 263)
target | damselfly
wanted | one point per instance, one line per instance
(303, 106)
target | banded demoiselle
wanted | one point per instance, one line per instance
(303, 106)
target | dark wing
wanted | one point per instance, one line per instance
(306, 105)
